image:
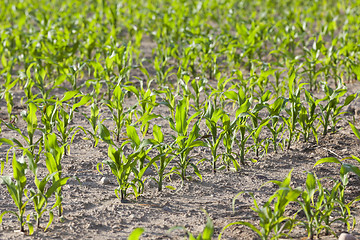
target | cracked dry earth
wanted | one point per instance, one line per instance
(92, 210)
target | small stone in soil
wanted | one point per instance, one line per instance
(105, 181)
(346, 236)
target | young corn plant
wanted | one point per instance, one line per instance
(116, 107)
(294, 110)
(212, 116)
(331, 111)
(64, 117)
(229, 128)
(53, 156)
(219, 93)
(121, 166)
(94, 120)
(319, 208)
(308, 117)
(147, 102)
(257, 122)
(141, 149)
(163, 158)
(48, 114)
(258, 142)
(313, 211)
(312, 57)
(273, 224)
(199, 86)
(17, 190)
(169, 100)
(184, 142)
(340, 205)
(242, 128)
(45, 188)
(274, 126)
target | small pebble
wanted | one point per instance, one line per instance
(346, 236)
(105, 181)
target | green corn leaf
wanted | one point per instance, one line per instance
(158, 135)
(356, 70)
(69, 95)
(6, 212)
(51, 163)
(349, 99)
(28, 70)
(327, 160)
(29, 224)
(196, 171)
(170, 187)
(351, 168)
(243, 108)
(105, 134)
(234, 200)
(55, 186)
(7, 141)
(310, 185)
(84, 100)
(136, 233)
(208, 231)
(51, 217)
(31, 117)
(12, 189)
(133, 90)
(132, 134)
(355, 130)
(181, 115)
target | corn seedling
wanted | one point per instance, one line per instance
(241, 122)
(229, 140)
(164, 156)
(295, 106)
(184, 142)
(64, 117)
(94, 120)
(53, 156)
(117, 111)
(39, 196)
(273, 224)
(331, 111)
(121, 166)
(318, 204)
(257, 122)
(141, 149)
(212, 116)
(48, 114)
(147, 102)
(273, 125)
(307, 117)
(17, 191)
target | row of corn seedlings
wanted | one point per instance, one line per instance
(90, 48)
(58, 134)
